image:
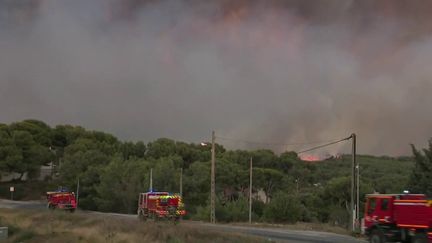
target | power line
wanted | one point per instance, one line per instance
(271, 144)
(324, 145)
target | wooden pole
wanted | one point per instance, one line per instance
(151, 180)
(250, 192)
(181, 182)
(212, 181)
(353, 184)
(77, 192)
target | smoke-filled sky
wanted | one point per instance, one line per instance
(270, 71)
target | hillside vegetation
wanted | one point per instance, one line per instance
(383, 174)
(111, 173)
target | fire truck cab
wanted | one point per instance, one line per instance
(398, 218)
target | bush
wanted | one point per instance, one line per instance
(284, 208)
(202, 213)
(339, 217)
(234, 211)
(231, 211)
(257, 208)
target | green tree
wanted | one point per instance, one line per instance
(196, 185)
(421, 176)
(120, 184)
(133, 150)
(19, 153)
(230, 175)
(64, 135)
(336, 199)
(40, 131)
(83, 160)
(335, 204)
(265, 158)
(162, 147)
(166, 173)
(11, 158)
(240, 157)
(267, 179)
(287, 161)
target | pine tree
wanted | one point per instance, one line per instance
(421, 177)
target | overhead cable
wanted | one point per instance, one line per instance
(271, 144)
(324, 145)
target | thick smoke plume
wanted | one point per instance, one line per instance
(274, 71)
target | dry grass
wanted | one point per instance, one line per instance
(301, 226)
(63, 227)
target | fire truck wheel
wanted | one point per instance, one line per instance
(50, 206)
(72, 210)
(377, 237)
(420, 238)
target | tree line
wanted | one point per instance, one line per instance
(112, 173)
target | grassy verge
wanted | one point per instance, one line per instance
(322, 227)
(43, 226)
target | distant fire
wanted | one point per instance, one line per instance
(310, 157)
(314, 158)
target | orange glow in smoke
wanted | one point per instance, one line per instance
(310, 158)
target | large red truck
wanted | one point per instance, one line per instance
(160, 205)
(398, 218)
(61, 200)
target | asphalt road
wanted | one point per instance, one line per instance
(22, 204)
(274, 234)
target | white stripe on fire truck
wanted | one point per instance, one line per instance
(413, 226)
(423, 204)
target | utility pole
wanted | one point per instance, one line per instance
(151, 180)
(357, 219)
(354, 186)
(52, 162)
(77, 193)
(212, 181)
(250, 193)
(181, 182)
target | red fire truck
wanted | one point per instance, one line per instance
(160, 205)
(61, 200)
(398, 218)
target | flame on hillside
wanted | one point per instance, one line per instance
(310, 157)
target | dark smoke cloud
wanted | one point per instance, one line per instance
(275, 71)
